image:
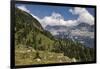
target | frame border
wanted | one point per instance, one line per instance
(12, 34)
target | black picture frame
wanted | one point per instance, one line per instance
(12, 33)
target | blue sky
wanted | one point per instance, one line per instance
(59, 15)
(45, 10)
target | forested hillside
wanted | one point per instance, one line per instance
(32, 42)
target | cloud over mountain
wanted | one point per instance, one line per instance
(78, 32)
(83, 15)
(57, 19)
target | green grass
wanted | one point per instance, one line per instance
(24, 56)
(45, 41)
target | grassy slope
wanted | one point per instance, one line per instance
(26, 23)
(25, 56)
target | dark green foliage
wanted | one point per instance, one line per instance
(74, 50)
(48, 34)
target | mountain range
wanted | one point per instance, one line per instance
(84, 33)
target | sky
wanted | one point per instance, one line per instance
(47, 10)
(58, 15)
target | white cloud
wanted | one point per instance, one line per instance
(35, 17)
(83, 15)
(22, 7)
(57, 19)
